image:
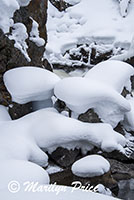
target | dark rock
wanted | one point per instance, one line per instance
(130, 61)
(61, 5)
(67, 178)
(90, 116)
(125, 92)
(64, 157)
(37, 9)
(120, 170)
(97, 57)
(119, 128)
(16, 110)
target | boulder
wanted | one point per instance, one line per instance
(64, 157)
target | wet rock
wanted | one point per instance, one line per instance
(64, 157)
(120, 170)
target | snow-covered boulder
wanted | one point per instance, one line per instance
(48, 129)
(81, 94)
(113, 73)
(91, 166)
(27, 84)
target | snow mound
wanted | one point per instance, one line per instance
(48, 129)
(113, 73)
(21, 171)
(91, 166)
(81, 94)
(33, 84)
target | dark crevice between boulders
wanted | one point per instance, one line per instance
(64, 157)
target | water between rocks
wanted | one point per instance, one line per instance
(126, 189)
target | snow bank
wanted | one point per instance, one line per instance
(81, 94)
(33, 84)
(21, 171)
(91, 166)
(115, 74)
(64, 192)
(87, 22)
(48, 129)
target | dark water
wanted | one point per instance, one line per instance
(126, 191)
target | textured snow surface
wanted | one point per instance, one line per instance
(90, 166)
(33, 84)
(86, 22)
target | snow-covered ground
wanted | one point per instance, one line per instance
(86, 22)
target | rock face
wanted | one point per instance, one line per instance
(11, 57)
(64, 157)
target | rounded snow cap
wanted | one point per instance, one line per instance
(91, 166)
(27, 84)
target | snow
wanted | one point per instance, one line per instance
(124, 4)
(7, 9)
(33, 84)
(51, 169)
(19, 35)
(128, 122)
(64, 193)
(4, 115)
(81, 94)
(114, 73)
(48, 129)
(91, 166)
(21, 171)
(72, 2)
(79, 24)
(34, 34)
